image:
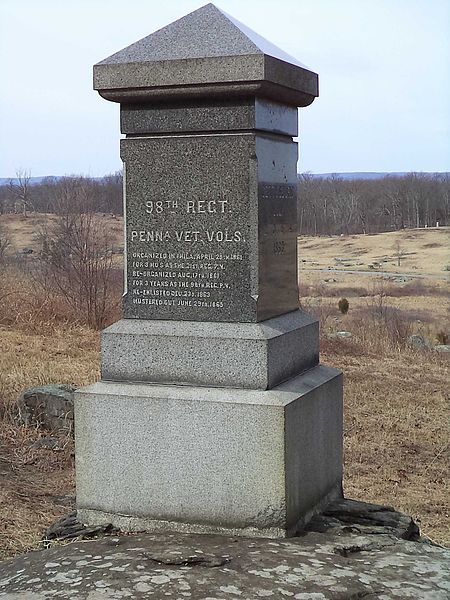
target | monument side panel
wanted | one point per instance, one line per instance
(277, 219)
(210, 227)
(188, 231)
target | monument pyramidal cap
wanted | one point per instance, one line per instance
(213, 372)
(203, 33)
(207, 46)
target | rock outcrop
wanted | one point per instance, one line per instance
(352, 550)
(48, 406)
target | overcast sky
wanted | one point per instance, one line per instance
(384, 72)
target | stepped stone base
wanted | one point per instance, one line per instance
(239, 355)
(209, 459)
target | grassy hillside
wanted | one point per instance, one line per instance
(396, 396)
(413, 251)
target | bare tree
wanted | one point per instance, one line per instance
(19, 189)
(398, 252)
(335, 205)
(77, 257)
(5, 243)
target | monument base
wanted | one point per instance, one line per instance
(211, 354)
(134, 524)
(184, 458)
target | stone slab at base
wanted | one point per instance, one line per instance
(211, 354)
(214, 458)
(137, 524)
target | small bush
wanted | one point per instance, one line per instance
(343, 306)
(442, 338)
(5, 243)
(381, 328)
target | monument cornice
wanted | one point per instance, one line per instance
(256, 75)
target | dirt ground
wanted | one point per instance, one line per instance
(396, 397)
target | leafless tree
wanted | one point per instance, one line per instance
(77, 257)
(334, 205)
(19, 189)
(5, 243)
(398, 252)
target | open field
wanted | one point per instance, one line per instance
(396, 397)
(23, 232)
(419, 251)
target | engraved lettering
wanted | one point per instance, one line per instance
(199, 207)
(223, 236)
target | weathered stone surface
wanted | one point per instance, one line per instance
(340, 334)
(418, 341)
(208, 115)
(211, 354)
(46, 443)
(209, 459)
(442, 348)
(217, 240)
(205, 53)
(212, 416)
(364, 518)
(337, 564)
(69, 527)
(49, 406)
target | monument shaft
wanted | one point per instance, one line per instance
(211, 229)
(213, 413)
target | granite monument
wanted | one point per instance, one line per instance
(213, 413)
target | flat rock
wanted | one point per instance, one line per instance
(442, 348)
(341, 334)
(353, 550)
(48, 406)
(418, 341)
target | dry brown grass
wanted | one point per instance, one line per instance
(396, 401)
(422, 251)
(425, 305)
(35, 484)
(396, 398)
(37, 488)
(396, 431)
(23, 231)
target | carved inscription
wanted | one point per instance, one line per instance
(206, 239)
(197, 278)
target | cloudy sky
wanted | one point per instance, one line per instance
(384, 68)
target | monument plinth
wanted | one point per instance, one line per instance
(213, 413)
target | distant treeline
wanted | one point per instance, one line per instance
(332, 205)
(60, 194)
(328, 205)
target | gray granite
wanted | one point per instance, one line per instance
(241, 355)
(203, 49)
(214, 458)
(213, 414)
(209, 115)
(205, 32)
(211, 229)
